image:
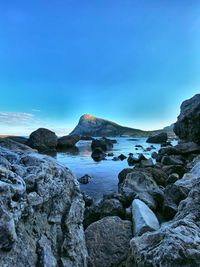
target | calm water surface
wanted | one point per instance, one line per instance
(105, 173)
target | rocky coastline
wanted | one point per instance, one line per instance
(153, 219)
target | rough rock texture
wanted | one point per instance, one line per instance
(15, 146)
(144, 220)
(108, 242)
(18, 139)
(68, 141)
(158, 139)
(176, 243)
(42, 139)
(111, 205)
(187, 126)
(41, 212)
(140, 184)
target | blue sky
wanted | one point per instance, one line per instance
(130, 61)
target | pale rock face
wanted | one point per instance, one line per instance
(41, 212)
(144, 219)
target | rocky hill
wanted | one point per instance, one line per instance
(93, 126)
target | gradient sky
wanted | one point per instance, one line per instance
(130, 61)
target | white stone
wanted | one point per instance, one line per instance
(144, 219)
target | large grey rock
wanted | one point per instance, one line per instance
(158, 139)
(108, 241)
(184, 148)
(187, 126)
(41, 212)
(42, 139)
(176, 243)
(144, 219)
(139, 184)
(68, 141)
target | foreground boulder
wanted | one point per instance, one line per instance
(108, 241)
(187, 126)
(158, 139)
(144, 219)
(68, 141)
(41, 212)
(43, 140)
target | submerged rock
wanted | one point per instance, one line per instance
(68, 141)
(98, 154)
(85, 179)
(108, 242)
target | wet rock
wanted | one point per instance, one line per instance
(183, 148)
(88, 200)
(103, 143)
(115, 159)
(98, 154)
(87, 138)
(123, 173)
(122, 157)
(146, 163)
(42, 139)
(172, 178)
(158, 139)
(108, 241)
(139, 184)
(172, 160)
(111, 207)
(134, 160)
(179, 169)
(84, 179)
(110, 154)
(68, 141)
(154, 155)
(144, 219)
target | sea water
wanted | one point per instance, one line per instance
(104, 174)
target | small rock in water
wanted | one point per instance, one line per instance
(115, 159)
(110, 154)
(84, 179)
(139, 146)
(122, 157)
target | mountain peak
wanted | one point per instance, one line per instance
(93, 126)
(87, 117)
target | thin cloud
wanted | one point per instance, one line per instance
(15, 118)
